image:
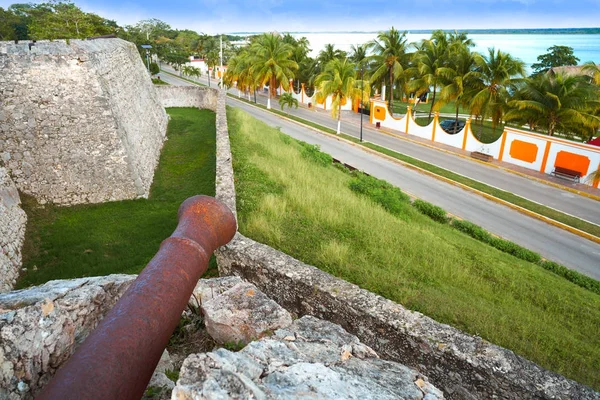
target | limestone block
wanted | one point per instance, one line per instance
(311, 358)
(41, 326)
(207, 289)
(242, 314)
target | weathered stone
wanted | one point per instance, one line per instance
(242, 314)
(41, 326)
(12, 232)
(318, 365)
(100, 120)
(188, 96)
(207, 289)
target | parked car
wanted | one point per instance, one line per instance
(448, 125)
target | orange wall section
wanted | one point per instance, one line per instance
(523, 151)
(379, 113)
(572, 161)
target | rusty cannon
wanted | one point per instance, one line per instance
(117, 359)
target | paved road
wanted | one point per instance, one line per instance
(567, 202)
(553, 243)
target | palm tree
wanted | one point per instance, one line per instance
(190, 71)
(495, 72)
(390, 58)
(562, 102)
(461, 77)
(339, 81)
(329, 53)
(594, 70)
(358, 55)
(430, 58)
(239, 72)
(271, 62)
(287, 99)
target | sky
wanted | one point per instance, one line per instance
(226, 16)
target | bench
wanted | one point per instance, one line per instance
(481, 156)
(566, 173)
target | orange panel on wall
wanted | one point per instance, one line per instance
(523, 151)
(380, 113)
(572, 161)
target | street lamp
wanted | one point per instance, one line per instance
(147, 47)
(362, 93)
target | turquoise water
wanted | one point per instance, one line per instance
(526, 47)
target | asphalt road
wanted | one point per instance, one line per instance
(551, 242)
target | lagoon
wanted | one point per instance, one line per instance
(526, 47)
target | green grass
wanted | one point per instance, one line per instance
(556, 215)
(122, 236)
(159, 82)
(288, 199)
(574, 222)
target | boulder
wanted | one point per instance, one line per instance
(242, 314)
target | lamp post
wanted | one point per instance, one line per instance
(147, 47)
(362, 93)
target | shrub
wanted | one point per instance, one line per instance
(154, 69)
(573, 276)
(475, 231)
(515, 250)
(434, 212)
(391, 198)
(314, 154)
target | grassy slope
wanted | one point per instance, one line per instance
(308, 211)
(122, 236)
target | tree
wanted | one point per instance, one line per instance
(188, 70)
(461, 77)
(557, 56)
(64, 20)
(594, 70)
(390, 58)
(154, 68)
(329, 53)
(287, 99)
(271, 62)
(430, 58)
(338, 80)
(8, 22)
(358, 55)
(494, 75)
(563, 102)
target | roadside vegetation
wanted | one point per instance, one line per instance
(291, 198)
(512, 198)
(122, 236)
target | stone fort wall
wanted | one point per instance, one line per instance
(80, 122)
(12, 232)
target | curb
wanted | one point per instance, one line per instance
(520, 209)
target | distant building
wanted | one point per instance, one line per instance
(569, 70)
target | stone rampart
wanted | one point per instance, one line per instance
(463, 366)
(80, 121)
(188, 96)
(12, 232)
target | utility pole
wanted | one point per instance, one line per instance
(221, 55)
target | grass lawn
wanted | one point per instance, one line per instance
(122, 236)
(290, 200)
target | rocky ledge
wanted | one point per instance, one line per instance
(40, 327)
